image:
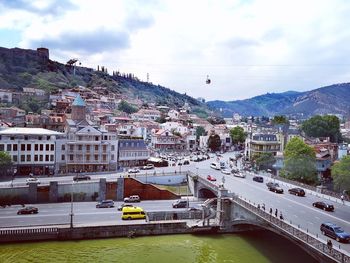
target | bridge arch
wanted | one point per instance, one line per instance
(206, 193)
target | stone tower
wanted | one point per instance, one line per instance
(43, 53)
(78, 109)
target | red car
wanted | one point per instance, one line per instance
(211, 178)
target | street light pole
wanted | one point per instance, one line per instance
(71, 206)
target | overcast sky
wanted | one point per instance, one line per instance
(247, 47)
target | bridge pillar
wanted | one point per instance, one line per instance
(223, 211)
(102, 189)
(53, 194)
(120, 189)
(33, 193)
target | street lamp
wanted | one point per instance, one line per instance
(71, 206)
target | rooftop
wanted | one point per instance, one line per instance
(28, 131)
(78, 101)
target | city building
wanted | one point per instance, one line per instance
(132, 152)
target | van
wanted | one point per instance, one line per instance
(215, 166)
(129, 213)
(180, 204)
(132, 199)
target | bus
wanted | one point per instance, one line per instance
(129, 213)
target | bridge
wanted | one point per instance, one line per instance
(235, 214)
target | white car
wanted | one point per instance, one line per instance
(133, 170)
(33, 180)
(241, 175)
(225, 171)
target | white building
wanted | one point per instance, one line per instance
(32, 149)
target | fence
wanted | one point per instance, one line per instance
(170, 215)
(311, 240)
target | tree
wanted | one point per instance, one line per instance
(264, 161)
(323, 126)
(238, 135)
(5, 164)
(200, 131)
(280, 119)
(299, 161)
(341, 174)
(126, 107)
(214, 142)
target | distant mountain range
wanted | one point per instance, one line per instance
(21, 68)
(334, 99)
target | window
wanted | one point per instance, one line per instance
(96, 147)
(52, 147)
(80, 147)
(96, 157)
(88, 158)
(14, 158)
(12, 138)
(71, 147)
(112, 157)
(9, 148)
(26, 138)
(41, 147)
(29, 158)
(63, 147)
(14, 147)
(40, 138)
(41, 157)
(23, 158)
(36, 147)
(63, 157)
(96, 138)
(36, 158)
(71, 157)
(29, 147)
(47, 147)
(112, 148)
(51, 158)
(46, 158)
(104, 148)
(23, 147)
(88, 148)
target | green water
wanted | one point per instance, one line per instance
(252, 248)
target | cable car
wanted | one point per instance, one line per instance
(208, 80)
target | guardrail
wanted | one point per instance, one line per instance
(312, 240)
(28, 231)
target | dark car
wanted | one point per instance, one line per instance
(81, 177)
(334, 231)
(105, 204)
(180, 204)
(275, 188)
(120, 208)
(297, 191)
(324, 206)
(258, 179)
(28, 210)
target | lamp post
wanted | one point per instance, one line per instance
(71, 206)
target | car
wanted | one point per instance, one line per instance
(215, 166)
(211, 178)
(28, 210)
(323, 205)
(81, 177)
(275, 188)
(238, 174)
(186, 162)
(335, 232)
(105, 204)
(120, 208)
(132, 199)
(225, 171)
(258, 179)
(297, 191)
(193, 209)
(148, 167)
(180, 204)
(269, 184)
(33, 180)
(133, 171)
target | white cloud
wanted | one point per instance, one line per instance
(247, 47)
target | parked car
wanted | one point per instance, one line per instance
(323, 205)
(105, 204)
(120, 208)
(211, 178)
(81, 177)
(258, 179)
(269, 184)
(133, 171)
(225, 171)
(186, 162)
(335, 232)
(297, 191)
(274, 187)
(215, 166)
(180, 204)
(132, 199)
(33, 180)
(238, 174)
(28, 210)
(148, 167)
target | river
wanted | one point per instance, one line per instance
(253, 247)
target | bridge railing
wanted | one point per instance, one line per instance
(28, 231)
(310, 239)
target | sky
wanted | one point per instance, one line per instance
(246, 47)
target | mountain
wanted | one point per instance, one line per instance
(334, 99)
(21, 68)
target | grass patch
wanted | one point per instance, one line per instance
(176, 189)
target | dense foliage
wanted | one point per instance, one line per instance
(263, 161)
(5, 165)
(279, 119)
(323, 126)
(299, 162)
(237, 135)
(200, 131)
(341, 174)
(126, 107)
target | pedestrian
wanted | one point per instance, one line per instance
(329, 244)
(281, 216)
(258, 206)
(263, 206)
(276, 212)
(342, 199)
(270, 211)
